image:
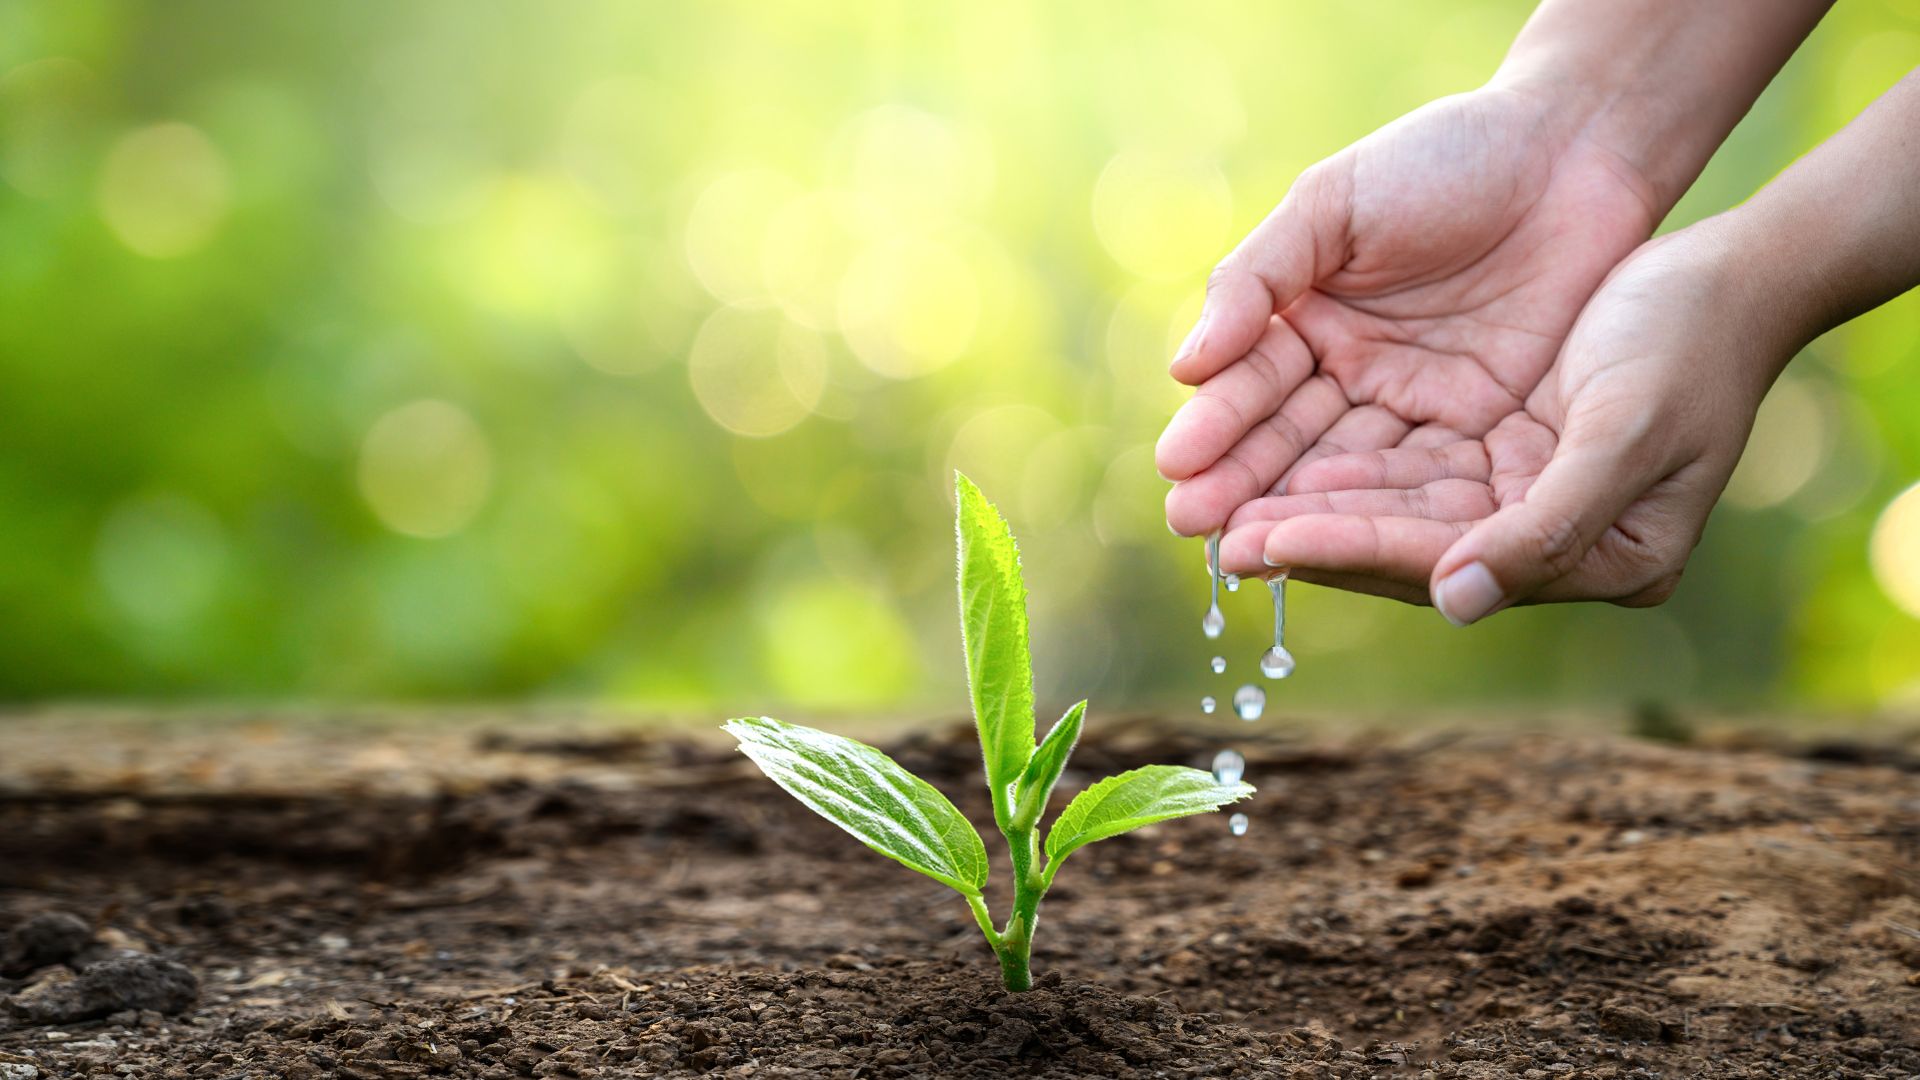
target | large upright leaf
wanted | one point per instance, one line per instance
(1132, 799)
(993, 629)
(869, 795)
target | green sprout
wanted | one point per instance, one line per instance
(906, 819)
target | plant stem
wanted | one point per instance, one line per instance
(1014, 946)
(980, 915)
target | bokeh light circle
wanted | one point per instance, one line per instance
(807, 247)
(1789, 444)
(726, 231)
(164, 190)
(909, 307)
(426, 468)
(914, 164)
(756, 372)
(609, 144)
(1894, 550)
(160, 558)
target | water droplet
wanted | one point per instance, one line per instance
(1218, 664)
(1232, 582)
(1276, 663)
(1206, 704)
(1214, 623)
(1228, 767)
(1237, 824)
(1249, 701)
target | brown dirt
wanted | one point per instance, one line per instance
(299, 900)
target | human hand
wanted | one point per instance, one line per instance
(1596, 487)
(1408, 294)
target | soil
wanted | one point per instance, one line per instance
(496, 898)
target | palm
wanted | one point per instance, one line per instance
(1458, 246)
(1379, 520)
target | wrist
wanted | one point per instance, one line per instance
(1656, 84)
(1752, 288)
(1601, 106)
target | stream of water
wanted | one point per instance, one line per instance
(1250, 700)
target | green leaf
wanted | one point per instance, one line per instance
(993, 629)
(869, 795)
(1043, 769)
(1132, 799)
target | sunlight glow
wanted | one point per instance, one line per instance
(1161, 217)
(909, 308)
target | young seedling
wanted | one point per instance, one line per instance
(904, 818)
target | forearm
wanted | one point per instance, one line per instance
(1835, 235)
(1659, 83)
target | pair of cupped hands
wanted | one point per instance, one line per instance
(1452, 368)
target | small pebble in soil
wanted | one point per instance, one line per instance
(1249, 702)
(1237, 824)
(1228, 767)
(1206, 704)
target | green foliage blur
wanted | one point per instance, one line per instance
(623, 351)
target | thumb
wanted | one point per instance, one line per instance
(1584, 489)
(1301, 241)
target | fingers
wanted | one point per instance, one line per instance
(1396, 468)
(1220, 414)
(1595, 474)
(1202, 502)
(1279, 260)
(1367, 586)
(1401, 550)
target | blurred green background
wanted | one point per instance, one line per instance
(621, 352)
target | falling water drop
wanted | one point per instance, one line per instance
(1228, 767)
(1249, 701)
(1214, 623)
(1232, 582)
(1238, 824)
(1206, 704)
(1277, 662)
(1219, 664)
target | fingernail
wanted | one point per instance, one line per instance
(1268, 561)
(1196, 337)
(1468, 594)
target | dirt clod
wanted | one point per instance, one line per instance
(1627, 1022)
(51, 937)
(108, 987)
